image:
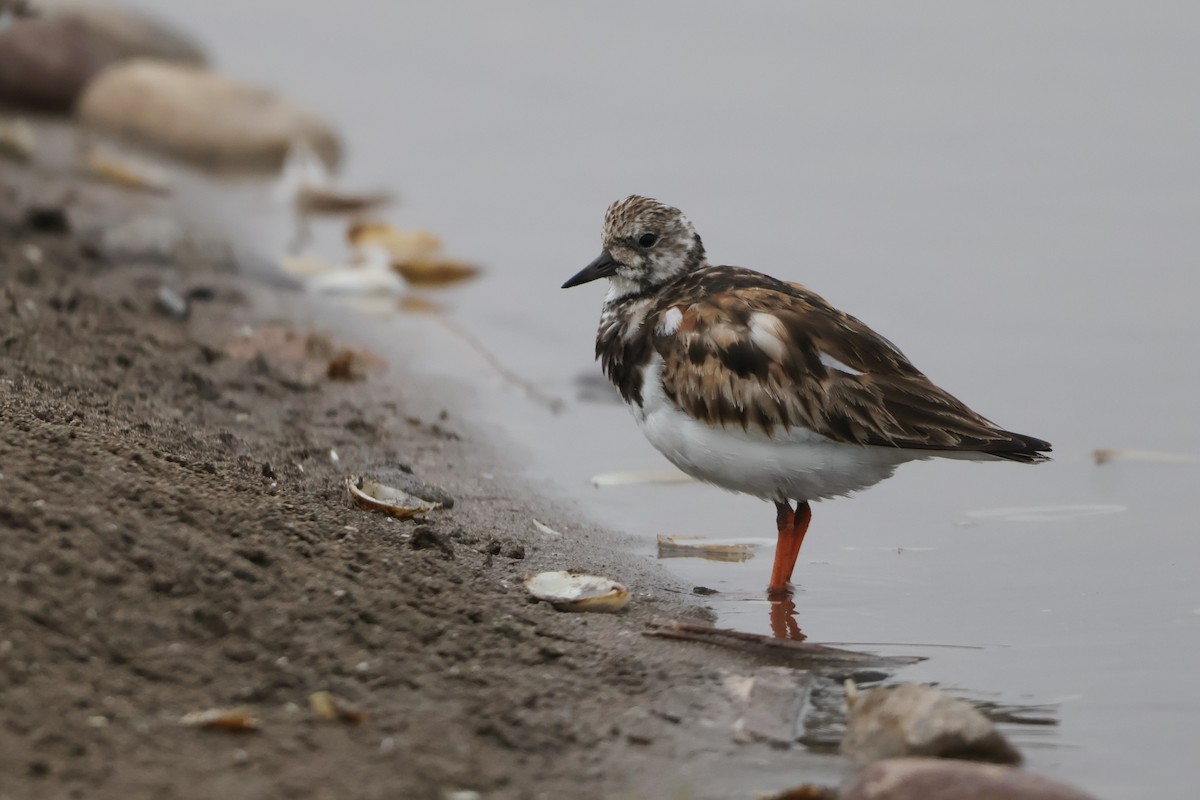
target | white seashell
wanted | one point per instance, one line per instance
(305, 266)
(569, 591)
(634, 477)
(356, 281)
(375, 496)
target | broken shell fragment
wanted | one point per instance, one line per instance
(545, 529)
(375, 496)
(435, 272)
(570, 591)
(412, 254)
(124, 171)
(348, 364)
(356, 282)
(305, 266)
(327, 707)
(413, 304)
(710, 549)
(632, 477)
(400, 245)
(323, 200)
(234, 720)
(17, 140)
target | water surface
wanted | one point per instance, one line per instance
(1008, 192)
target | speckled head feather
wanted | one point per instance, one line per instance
(651, 243)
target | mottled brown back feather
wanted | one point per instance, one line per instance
(747, 353)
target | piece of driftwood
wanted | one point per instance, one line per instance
(802, 655)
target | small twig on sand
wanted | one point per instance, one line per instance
(553, 404)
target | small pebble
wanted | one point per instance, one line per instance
(941, 779)
(169, 302)
(47, 219)
(913, 720)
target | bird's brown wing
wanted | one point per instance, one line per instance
(742, 349)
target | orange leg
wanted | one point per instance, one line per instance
(792, 526)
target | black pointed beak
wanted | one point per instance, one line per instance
(602, 267)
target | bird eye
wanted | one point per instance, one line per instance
(647, 239)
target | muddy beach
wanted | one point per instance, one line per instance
(177, 538)
(193, 604)
(182, 400)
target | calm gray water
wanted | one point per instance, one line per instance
(1009, 192)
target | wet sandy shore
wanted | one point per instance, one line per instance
(175, 537)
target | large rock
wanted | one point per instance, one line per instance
(202, 117)
(46, 62)
(935, 779)
(132, 34)
(913, 720)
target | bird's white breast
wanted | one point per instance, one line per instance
(797, 465)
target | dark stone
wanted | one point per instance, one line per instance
(199, 116)
(46, 63)
(47, 219)
(936, 779)
(129, 33)
(426, 538)
(204, 294)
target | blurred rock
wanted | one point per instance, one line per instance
(935, 779)
(201, 117)
(912, 720)
(47, 62)
(805, 792)
(47, 219)
(773, 706)
(132, 34)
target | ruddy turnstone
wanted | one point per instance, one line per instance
(759, 386)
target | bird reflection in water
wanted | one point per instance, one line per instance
(783, 621)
